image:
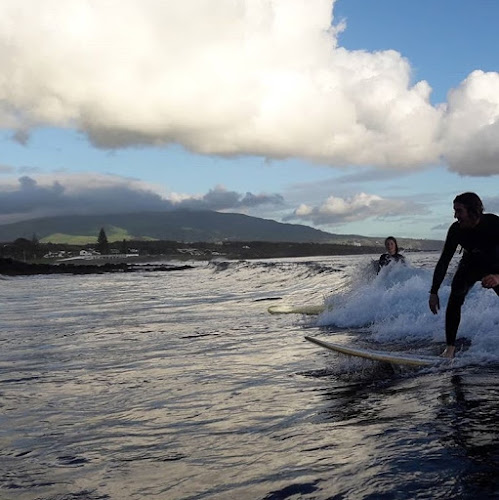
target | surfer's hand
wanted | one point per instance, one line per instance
(449, 352)
(434, 303)
(490, 281)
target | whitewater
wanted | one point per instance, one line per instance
(180, 385)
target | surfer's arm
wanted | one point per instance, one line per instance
(441, 269)
(444, 260)
(383, 261)
(434, 303)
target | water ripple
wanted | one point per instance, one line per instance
(183, 387)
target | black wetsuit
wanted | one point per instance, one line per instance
(386, 258)
(480, 258)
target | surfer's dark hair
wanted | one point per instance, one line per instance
(392, 238)
(472, 202)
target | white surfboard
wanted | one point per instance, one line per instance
(388, 357)
(289, 309)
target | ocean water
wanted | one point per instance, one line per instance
(180, 385)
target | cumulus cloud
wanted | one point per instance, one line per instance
(31, 196)
(45, 195)
(471, 127)
(232, 77)
(219, 199)
(361, 206)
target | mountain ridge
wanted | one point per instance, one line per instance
(183, 225)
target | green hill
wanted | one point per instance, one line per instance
(113, 233)
(184, 226)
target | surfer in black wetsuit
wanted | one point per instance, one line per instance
(478, 235)
(392, 253)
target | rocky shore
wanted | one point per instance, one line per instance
(12, 267)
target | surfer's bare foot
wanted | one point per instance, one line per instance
(449, 352)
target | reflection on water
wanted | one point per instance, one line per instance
(183, 387)
(469, 430)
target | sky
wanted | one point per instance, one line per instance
(351, 116)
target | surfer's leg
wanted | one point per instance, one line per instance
(462, 283)
(453, 317)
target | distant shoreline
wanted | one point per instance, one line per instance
(145, 251)
(112, 263)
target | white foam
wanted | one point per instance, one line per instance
(393, 307)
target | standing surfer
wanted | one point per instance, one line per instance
(478, 235)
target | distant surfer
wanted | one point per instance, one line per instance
(478, 235)
(392, 253)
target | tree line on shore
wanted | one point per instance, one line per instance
(34, 250)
